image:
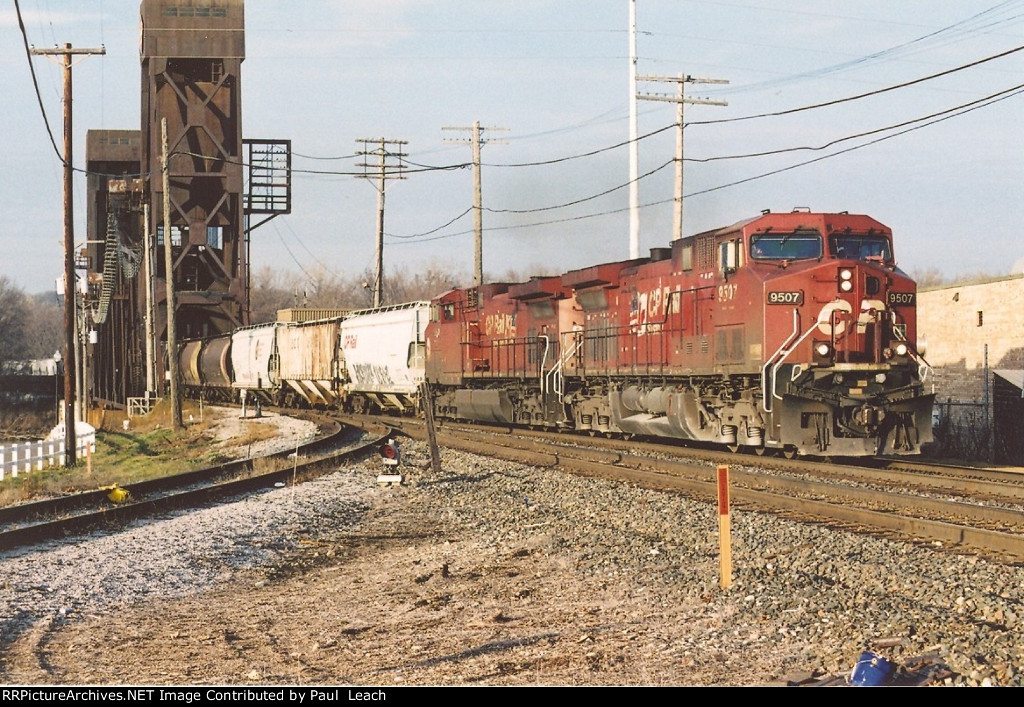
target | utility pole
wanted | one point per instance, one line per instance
(477, 141)
(680, 100)
(148, 279)
(70, 296)
(634, 150)
(389, 166)
(172, 335)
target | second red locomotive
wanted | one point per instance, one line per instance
(789, 331)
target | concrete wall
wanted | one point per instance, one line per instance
(969, 330)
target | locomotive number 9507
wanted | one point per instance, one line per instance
(904, 298)
(795, 297)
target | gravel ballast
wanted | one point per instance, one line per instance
(495, 573)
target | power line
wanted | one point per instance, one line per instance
(857, 147)
(976, 105)
(35, 82)
(857, 97)
(961, 27)
(584, 199)
(866, 133)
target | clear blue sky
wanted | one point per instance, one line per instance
(324, 73)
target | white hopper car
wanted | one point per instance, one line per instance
(383, 353)
(366, 359)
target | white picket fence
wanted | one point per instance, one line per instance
(25, 457)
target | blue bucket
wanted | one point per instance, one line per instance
(871, 670)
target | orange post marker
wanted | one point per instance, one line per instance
(724, 529)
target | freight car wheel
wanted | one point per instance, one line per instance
(760, 451)
(734, 448)
(789, 452)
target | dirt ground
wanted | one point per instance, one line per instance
(405, 598)
(403, 601)
(488, 574)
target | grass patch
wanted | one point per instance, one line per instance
(148, 449)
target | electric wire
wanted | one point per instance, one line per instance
(1004, 95)
(855, 136)
(35, 82)
(859, 96)
(960, 28)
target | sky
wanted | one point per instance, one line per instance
(555, 77)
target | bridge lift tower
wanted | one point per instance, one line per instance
(191, 58)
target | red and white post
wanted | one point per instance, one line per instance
(724, 529)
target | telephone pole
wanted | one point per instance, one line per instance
(680, 100)
(70, 443)
(172, 320)
(477, 141)
(634, 149)
(389, 165)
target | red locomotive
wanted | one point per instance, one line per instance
(791, 331)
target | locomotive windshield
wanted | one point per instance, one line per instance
(851, 247)
(799, 245)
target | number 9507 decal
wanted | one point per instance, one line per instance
(793, 297)
(902, 298)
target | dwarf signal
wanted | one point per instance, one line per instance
(391, 456)
(389, 453)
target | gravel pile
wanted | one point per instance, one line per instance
(804, 603)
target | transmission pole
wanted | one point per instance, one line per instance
(389, 165)
(680, 100)
(477, 141)
(634, 150)
(172, 336)
(70, 443)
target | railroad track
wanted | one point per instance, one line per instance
(73, 514)
(927, 505)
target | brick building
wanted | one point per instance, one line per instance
(974, 336)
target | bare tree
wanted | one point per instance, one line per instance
(46, 334)
(13, 321)
(324, 289)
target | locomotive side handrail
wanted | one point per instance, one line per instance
(775, 368)
(543, 359)
(557, 379)
(765, 398)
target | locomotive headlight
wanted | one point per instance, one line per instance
(846, 274)
(823, 350)
(901, 349)
(845, 285)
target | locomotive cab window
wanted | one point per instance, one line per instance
(864, 247)
(799, 245)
